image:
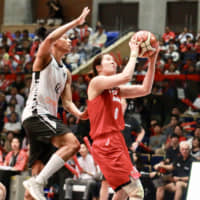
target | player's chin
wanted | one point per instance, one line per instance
(67, 50)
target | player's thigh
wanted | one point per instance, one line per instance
(68, 139)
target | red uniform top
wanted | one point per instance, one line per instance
(105, 113)
(21, 160)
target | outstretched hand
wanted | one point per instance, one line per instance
(81, 18)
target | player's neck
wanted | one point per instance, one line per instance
(57, 55)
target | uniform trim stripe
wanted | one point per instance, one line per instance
(49, 125)
(37, 75)
(36, 82)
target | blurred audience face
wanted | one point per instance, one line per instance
(2, 97)
(195, 142)
(178, 131)
(13, 101)
(13, 91)
(15, 144)
(174, 142)
(173, 121)
(10, 136)
(185, 149)
(197, 132)
(13, 117)
(83, 150)
(175, 111)
(157, 129)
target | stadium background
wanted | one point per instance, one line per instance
(119, 16)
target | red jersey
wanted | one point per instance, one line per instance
(105, 113)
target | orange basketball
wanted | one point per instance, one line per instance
(148, 45)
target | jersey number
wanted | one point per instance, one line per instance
(116, 113)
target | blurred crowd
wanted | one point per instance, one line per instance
(169, 115)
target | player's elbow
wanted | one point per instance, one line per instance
(126, 77)
(49, 40)
(146, 91)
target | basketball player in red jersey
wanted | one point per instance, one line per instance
(106, 120)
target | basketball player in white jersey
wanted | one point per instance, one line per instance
(50, 80)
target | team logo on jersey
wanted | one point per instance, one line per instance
(57, 88)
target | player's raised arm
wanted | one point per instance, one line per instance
(107, 77)
(45, 48)
(132, 91)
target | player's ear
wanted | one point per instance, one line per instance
(98, 67)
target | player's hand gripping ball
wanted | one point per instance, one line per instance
(148, 43)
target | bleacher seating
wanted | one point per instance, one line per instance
(145, 158)
(156, 158)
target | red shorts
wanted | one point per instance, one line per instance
(111, 154)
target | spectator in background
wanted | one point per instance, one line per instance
(171, 51)
(17, 36)
(182, 37)
(14, 94)
(3, 105)
(98, 39)
(7, 144)
(172, 151)
(55, 10)
(28, 68)
(85, 48)
(84, 31)
(87, 175)
(172, 70)
(40, 32)
(13, 107)
(17, 158)
(178, 130)
(82, 89)
(133, 131)
(196, 147)
(18, 83)
(168, 129)
(12, 124)
(156, 141)
(196, 134)
(172, 154)
(73, 59)
(5, 42)
(168, 35)
(181, 170)
(1, 157)
(197, 46)
(26, 89)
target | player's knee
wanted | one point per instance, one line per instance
(74, 144)
(134, 190)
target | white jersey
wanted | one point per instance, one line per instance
(46, 88)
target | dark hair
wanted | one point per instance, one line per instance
(96, 62)
(174, 136)
(176, 116)
(48, 32)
